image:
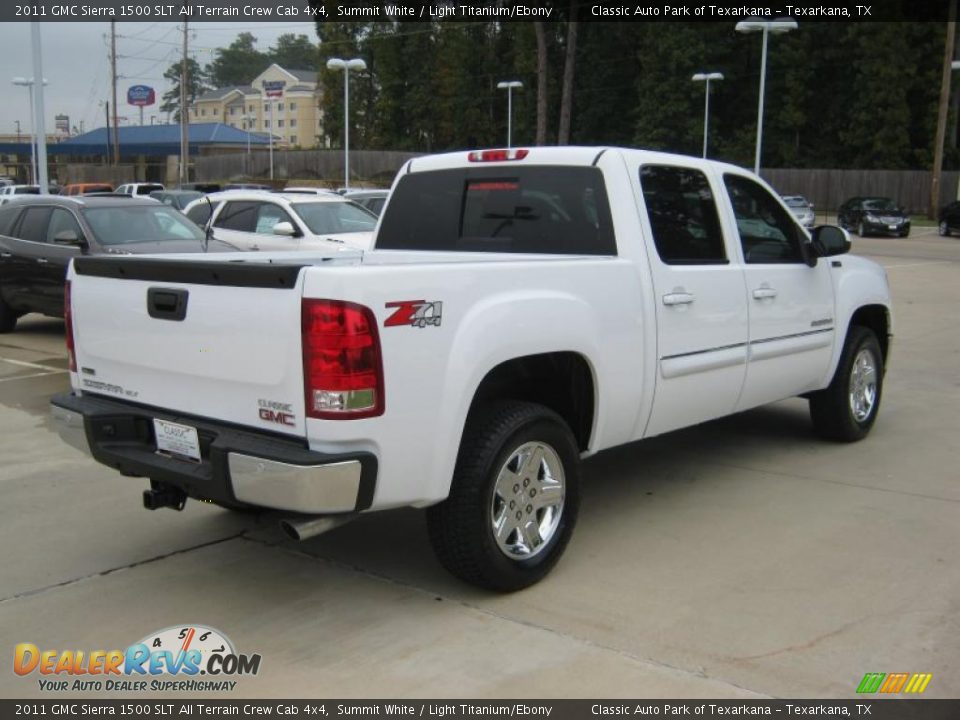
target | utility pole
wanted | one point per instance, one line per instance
(109, 150)
(113, 75)
(942, 111)
(184, 120)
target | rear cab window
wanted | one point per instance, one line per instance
(533, 209)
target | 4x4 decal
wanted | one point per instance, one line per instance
(414, 313)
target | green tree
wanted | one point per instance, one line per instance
(294, 52)
(237, 64)
(196, 85)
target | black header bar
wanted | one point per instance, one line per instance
(254, 11)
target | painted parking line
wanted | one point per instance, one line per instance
(35, 366)
(919, 264)
(31, 375)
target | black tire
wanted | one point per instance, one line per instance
(944, 229)
(904, 233)
(8, 318)
(831, 409)
(461, 527)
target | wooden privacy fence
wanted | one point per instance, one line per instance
(376, 167)
(828, 189)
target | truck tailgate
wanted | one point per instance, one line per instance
(217, 340)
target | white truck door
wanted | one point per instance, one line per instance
(700, 299)
(791, 305)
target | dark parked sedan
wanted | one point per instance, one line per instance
(873, 216)
(40, 234)
(949, 220)
(177, 199)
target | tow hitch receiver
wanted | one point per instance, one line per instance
(161, 495)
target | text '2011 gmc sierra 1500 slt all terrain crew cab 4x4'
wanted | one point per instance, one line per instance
(519, 311)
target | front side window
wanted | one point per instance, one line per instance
(268, 215)
(61, 222)
(768, 232)
(324, 218)
(683, 215)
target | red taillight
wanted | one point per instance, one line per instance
(342, 369)
(497, 155)
(68, 322)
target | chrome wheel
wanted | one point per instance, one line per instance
(944, 228)
(863, 385)
(528, 499)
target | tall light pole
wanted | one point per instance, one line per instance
(28, 83)
(706, 78)
(269, 102)
(777, 27)
(509, 86)
(346, 65)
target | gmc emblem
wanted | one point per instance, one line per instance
(275, 416)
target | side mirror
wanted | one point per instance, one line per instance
(68, 237)
(284, 228)
(829, 240)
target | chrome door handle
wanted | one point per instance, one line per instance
(677, 298)
(43, 261)
(5, 255)
(254, 247)
(762, 293)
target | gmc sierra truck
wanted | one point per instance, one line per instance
(520, 310)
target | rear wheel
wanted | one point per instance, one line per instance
(847, 408)
(514, 498)
(8, 318)
(944, 229)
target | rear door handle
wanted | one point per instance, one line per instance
(761, 293)
(677, 298)
(43, 261)
(5, 255)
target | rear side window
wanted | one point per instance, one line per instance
(33, 224)
(683, 215)
(201, 212)
(544, 210)
(240, 216)
(8, 215)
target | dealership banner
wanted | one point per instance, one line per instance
(251, 11)
(474, 709)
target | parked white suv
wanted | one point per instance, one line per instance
(138, 188)
(255, 220)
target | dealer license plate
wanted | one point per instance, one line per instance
(892, 227)
(176, 440)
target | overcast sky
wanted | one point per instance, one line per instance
(77, 66)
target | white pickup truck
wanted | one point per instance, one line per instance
(520, 311)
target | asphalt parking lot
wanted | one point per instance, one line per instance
(740, 558)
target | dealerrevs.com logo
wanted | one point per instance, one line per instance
(172, 659)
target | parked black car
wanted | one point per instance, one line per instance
(177, 199)
(40, 234)
(949, 221)
(873, 216)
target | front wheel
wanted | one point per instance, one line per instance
(861, 230)
(847, 408)
(8, 318)
(514, 497)
(944, 229)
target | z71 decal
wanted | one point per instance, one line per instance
(414, 313)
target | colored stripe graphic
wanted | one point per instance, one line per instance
(870, 683)
(894, 683)
(918, 682)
